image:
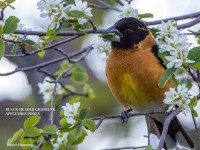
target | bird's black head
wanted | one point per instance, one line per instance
(128, 32)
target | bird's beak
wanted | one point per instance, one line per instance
(112, 34)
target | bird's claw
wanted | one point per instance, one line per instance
(125, 115)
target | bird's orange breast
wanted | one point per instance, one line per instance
(133, 78)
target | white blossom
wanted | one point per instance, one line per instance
(171, 40)
(173, 61)
(179, 96)
(128, 11)
(55, 10)
(82, 6)
(82, 21)
(71, 111)
(46, 89)
(102, 46)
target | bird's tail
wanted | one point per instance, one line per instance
(176, 133)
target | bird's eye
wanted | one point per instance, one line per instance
(128, 31)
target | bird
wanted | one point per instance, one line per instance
(133, 69)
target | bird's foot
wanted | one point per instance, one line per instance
(125, 115)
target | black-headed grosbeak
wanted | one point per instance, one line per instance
(133, 69)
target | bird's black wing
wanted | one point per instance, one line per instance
(155, 50)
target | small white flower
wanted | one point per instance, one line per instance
(46, 89)
(82, 6)
(179, 96)
(173, 61)
(168, 28)
(128, 11)
(82, 20)
(71, 111)
(55, 10)
(102, 46)
(173, 41)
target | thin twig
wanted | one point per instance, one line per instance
(182, 17)
(194, 120)
(45, 64)
(93, 26)
(189, 24)
(108, 5)
(2, 13)
(97, 6)
(166, 126)
(61, 33)
(102, 118)
(46, 48)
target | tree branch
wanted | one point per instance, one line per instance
(61, 33)
(189, 24)
(87, 51)
(108, 5)
(45, 64)
(182, 17)
(166, 126)
(102, 118)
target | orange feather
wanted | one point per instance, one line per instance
(133, 76)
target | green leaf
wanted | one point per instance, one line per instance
(1, 30)
(51, 38)
(11, 6)
(28, 42)
(50, 129)
(31, 121)
(72, 136)
(76, 99)
(79, 130)
(26, 143)
(14, 49)
(50, 32)
(15, 136)
(41, 53)
(2, 48)
(76, 14)
(196, 66)
(74, 139)
(66, 25)
(166, 76)
(47, 146)
(149, 147)
(70, 87)
(32, 132)
(90, 124)
(154, 32)
(57, 30)
(146, 15)
(10, 1)
(89, 91)
(79, 76)
(83, 113)
(80, 139)
(194, 112)
(10, 25)
(193, 102)
(194, 54)
(2, 4)
(68, 2)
